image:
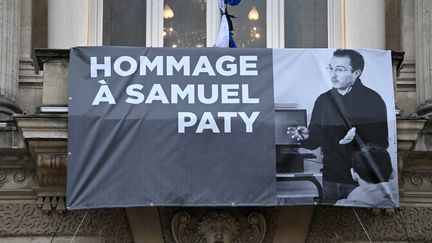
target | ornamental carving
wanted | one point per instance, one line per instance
(50, 159)
(416, 181)
(25, 219)
(51, 169)
(336, 224)
(201, 225)
(17, 178)
(3, 176)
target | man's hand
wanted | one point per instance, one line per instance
(349, 136)
(298, 133)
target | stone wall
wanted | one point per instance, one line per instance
(26, 220)
(335, 224)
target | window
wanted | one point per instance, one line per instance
(306, 23)
(195, 23)
(124, 22)
(184, 23)
(250, 23)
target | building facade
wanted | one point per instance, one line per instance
(36, 36)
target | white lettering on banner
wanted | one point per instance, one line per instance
(214, 94)
(172, 93)
(104, 94)
(135, 97)
(94, 67)
(231, 68)
(244, 66)
(186, 119)
(223, 93)
(208, 122)
(203, 66)
(182, 64)
(151, 65)
(188, 92)
(249, 120)
(227, 119)
(248, 66)
(132, 66)
(245, 96)
(229, 92)
(157, 93)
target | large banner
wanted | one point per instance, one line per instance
(230, 127)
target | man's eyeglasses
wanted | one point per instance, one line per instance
(337, 70)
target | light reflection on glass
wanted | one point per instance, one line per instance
(187, 27)
(250, 23)
(167, 12)
(253, 14)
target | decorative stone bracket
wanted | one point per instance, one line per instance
(46, 138)
(408, 132)
(415, 181)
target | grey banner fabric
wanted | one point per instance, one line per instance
(170, 127)
(231, 127)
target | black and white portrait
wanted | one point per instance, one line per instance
(346, 144)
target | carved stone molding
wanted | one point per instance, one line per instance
(408, 131)
(51, 173)
(335, 224)
(16, 178)
(50, 203)
(45, 136)
(415, 187)
(50, 159)
(51, 169)
(17, 175)
(25, 219)
(214, 225)
(415, 176)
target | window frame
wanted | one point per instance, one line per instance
(274, 24)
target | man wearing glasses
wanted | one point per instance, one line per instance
(344, 119)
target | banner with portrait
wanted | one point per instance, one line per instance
(230, 127)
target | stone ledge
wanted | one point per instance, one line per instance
(44, 55)
(408, 131)
(45, 126)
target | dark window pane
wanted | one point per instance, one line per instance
(124, 22)
(250, 23)
(305, 23)
(184, 23)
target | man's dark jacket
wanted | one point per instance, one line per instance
(334, 115)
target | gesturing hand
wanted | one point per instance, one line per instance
(298, 133)
(349, 136)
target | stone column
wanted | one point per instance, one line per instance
(9, 52)
(406, 79)
(26, 31)
(365, 24)
(423, 54)
(68, 22)
(408, 30)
